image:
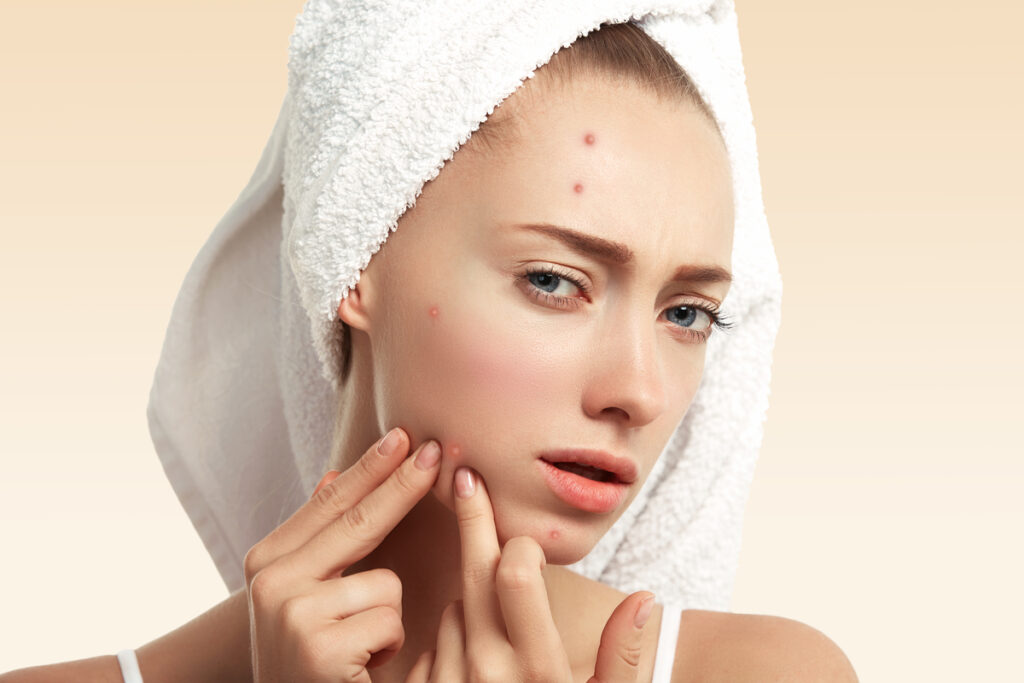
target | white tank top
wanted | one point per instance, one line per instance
(667, 637)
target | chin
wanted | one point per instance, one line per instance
(564, 539)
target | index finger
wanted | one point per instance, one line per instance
(335, 498)
(480, 555)
(363, 526)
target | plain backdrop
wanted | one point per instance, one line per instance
(886, 508)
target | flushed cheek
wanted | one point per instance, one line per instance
(499, 369)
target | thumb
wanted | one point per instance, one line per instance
(618, 657)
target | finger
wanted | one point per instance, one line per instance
(420, 671)
(485, 627)
(345, 596)
(450, 655)
(367, 639)
(523, 597)
(327, 479)
(360, 529)
(331, 500)
(618, 656)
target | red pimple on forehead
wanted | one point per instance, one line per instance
(588, 138)
(578, 188)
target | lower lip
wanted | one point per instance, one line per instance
(580, 492)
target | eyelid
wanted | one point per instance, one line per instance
(710, 308)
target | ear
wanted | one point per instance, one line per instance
(353, 308)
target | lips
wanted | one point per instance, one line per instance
(593, 464)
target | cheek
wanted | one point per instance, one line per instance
(464, 371)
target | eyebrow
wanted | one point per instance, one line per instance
(619, 254)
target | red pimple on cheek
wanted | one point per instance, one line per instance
(554, 534)
(588, 138)
(455, 452)
(434, 310)
(578, 188)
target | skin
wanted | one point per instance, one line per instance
(449, 343)
(450, 346)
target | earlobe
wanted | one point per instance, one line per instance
(352, 309)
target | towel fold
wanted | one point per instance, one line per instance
(380, 95)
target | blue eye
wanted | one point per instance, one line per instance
(549, 282)
(555, 288)
(690, 315)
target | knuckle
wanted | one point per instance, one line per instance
(332, 499)
(293, 613)
(391, 622)
(406, 482)
(534, 671)
(263, 587)
(368, 464)
(388, 583)
(358, 523)
(252, 563)
(468, 518)
(483, 672)
(630, 654)
(478, 572)
(515, 577)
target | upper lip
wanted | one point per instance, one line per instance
(622, 468)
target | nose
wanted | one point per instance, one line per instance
(627, 382)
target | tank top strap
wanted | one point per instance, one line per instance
(667, 637)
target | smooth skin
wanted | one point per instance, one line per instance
(311, 621)
(443, 314)
(502, 629)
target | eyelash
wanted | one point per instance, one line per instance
(567, 302)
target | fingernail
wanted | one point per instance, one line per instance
(428, 455)
(390, 443)
(643, 612)
(465, 482)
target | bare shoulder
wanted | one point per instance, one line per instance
(723, 646)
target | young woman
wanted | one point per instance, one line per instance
(512, 362)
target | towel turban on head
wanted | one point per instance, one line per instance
(380, 95)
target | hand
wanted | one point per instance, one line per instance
(502, 629)
(307, 621)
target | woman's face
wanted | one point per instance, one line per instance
(507, 342)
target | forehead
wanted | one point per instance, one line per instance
(612, 159)
(606, 158)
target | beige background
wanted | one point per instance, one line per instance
(886, 509)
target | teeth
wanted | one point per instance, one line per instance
(585, 471)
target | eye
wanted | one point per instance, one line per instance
(551, 283)
(684, 316)
(554, 287)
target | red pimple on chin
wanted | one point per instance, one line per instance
(578, 188)
(589, 138)
(455, 452)
(554, 534)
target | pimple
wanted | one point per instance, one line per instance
(578, 188)
(588, 138)
(434, 311)
(554, 534)
(455, 451)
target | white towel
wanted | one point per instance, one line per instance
(380, 94)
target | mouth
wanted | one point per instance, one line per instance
(594, 473)
(593, 464)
